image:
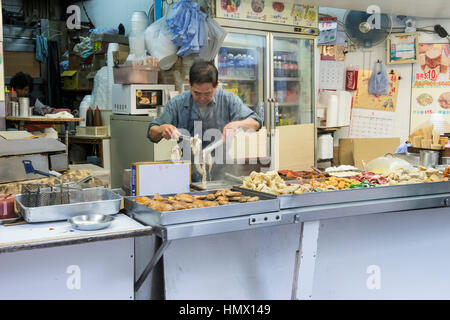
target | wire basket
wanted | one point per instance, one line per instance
(40, 195)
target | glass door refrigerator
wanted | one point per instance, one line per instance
(273, 73)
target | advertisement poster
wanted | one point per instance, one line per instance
(432, 70)
(362, 99)
(279, 12)
(431, 84)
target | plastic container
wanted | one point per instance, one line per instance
(139, 21)
(387, 163)
(126, 74)
(92, 131)
(7, 206)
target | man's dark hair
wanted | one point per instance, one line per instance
(203, 72)
(22, 80)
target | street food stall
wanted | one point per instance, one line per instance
(319, 202)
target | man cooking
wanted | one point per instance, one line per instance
(206, 105)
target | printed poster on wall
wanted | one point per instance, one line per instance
(362, 99)
(431, 84)
(279, 12)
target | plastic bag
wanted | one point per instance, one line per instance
(379, 80)
(186, 22)
(159, 44)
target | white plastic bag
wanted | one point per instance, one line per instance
(159, 44)
(379, 80)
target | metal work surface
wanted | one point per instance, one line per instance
(267, 203)
(86, 201)
(53, 234)
(86, 271)
(400, 255)
(252, 264)
(362, 194)
(290, 216)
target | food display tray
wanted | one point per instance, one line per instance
(85, 201)
(148, 216)
(361, 194)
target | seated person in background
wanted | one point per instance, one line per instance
(22, 83)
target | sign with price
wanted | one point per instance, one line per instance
(433, 68)
(431, 84)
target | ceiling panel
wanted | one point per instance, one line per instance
(423, 8)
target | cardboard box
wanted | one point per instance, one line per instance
(149, 178)
(77, 79)
(99, 61)
(353, 150)
(74, 62)
(18, 61)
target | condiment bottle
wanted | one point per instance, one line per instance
(89, 117)
(97, 117)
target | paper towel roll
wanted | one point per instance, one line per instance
(345, 107)
(325, 146)
(332, 111)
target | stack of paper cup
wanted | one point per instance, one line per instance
(332, 111)
(438, 121)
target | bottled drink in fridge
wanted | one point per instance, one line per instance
(285, 69)
(238, 65)
(230, 65)
(277, 114)
(278, 66)
(251, 66)
(261, 110)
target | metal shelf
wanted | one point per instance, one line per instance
(237, 79)
(286, 79)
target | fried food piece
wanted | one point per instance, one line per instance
(200, 197)
(160, 206)
(211, 197)
(220, 192)
(184, 197)
(157, 197)
(244, 199)
(221, 198)
(142, 200)
(229, 193)
(210, 204)
(179, 205)
(198, 204)
(234, 198)
(253, 199)
(222, 202)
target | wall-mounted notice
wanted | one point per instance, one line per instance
(431, 84)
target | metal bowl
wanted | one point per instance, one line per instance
(445, 161)
(91, 221)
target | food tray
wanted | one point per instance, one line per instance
(362, 194)
(86, 201)
(143, 214)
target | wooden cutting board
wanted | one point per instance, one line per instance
(15, 135)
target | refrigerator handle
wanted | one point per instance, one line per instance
(272, 116)
(268, 116)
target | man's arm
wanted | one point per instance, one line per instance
(241, 116)
(246, 124)
(166, 131)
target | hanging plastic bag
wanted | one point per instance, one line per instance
(379, 80)
(159, 44)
